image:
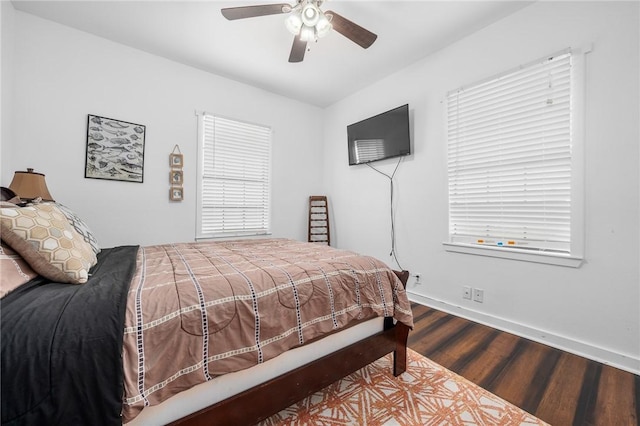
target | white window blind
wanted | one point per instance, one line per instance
(235, 171)
(510, 158)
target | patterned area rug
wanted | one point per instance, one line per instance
(427, 394)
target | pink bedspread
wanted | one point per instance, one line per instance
(199, 310)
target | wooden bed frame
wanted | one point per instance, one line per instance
(266, 399)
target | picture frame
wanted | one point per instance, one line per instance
(176, 193)
(176, 177)
(115, 149)
(176, 160)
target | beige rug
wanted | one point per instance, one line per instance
(427, 394)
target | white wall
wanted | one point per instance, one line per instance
(61, 75)
(593, 310)
(6, 77)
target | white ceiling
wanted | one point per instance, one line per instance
(256, 50)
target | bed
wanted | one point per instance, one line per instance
(150, 325)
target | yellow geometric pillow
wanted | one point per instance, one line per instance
(42, 235)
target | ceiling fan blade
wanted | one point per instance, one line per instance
(351, 30)
(297, 50)
(232, 13)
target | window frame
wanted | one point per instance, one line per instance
(575, 256)
(200, 233)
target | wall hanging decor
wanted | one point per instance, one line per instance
(115, 149)
(175, 160)
(176, 175)
(176, 193)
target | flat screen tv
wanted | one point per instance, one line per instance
(385, 135)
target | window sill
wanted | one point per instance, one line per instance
(515, 254)
(233, 235)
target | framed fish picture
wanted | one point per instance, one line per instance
(115, 149)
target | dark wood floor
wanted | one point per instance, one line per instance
(555, 386)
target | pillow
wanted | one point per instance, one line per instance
(15, 270)
(42, 235)
(80, 227)
(7, 194)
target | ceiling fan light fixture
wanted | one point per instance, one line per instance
(310, 15)
(307, 22)
(307, 33)
(323, 26)
(293, 23)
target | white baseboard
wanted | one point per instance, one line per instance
(576, 347)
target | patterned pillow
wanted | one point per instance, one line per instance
(42, 235)
(15, 270)
(80, 226)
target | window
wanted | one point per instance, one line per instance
(234, 172)
(512, 164)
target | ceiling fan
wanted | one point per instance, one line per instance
(307, 22)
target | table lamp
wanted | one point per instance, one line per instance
(30, 185)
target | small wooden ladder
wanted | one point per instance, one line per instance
(319, 220)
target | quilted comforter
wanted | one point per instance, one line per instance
(199, 310)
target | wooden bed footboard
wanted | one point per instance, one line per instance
(266, 399)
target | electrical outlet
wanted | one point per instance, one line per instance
(418, 277)
(478, 295)
(466, 292)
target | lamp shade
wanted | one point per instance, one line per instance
(323, 26)
(293, 24)
(307, 33)
(29, 185)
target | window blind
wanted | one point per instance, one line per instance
(509, 158)
(236, 171)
